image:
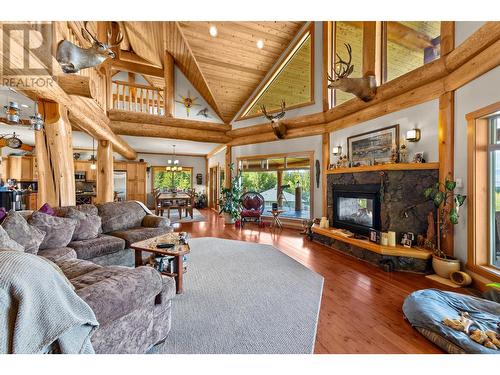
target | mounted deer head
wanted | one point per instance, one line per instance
(73, 58)
(364, 88)
(279, 128)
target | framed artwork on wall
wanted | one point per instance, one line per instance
(374, 147)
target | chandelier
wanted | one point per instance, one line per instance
(173, 164)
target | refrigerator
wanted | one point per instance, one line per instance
(120, 182)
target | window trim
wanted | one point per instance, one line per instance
(276, 70)
(308, 154)
(478, 210)
(153, 167)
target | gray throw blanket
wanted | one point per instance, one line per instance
(39, 310)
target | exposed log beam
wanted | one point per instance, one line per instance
(128, 66)
(164, 131)
(169, 84)
(139, 118)
(372, 49)
(77, 85)
(131, 57)
(216, 150)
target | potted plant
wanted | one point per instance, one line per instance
(448, 205)
(229, 203)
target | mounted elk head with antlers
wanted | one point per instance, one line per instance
(279, 128)
(364, 88)
(73, 58)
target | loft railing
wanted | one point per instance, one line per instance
(135, 97)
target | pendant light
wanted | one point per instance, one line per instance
(93, 166)
(36, 120)
(13, 112)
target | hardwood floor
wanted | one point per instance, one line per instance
(361, 305)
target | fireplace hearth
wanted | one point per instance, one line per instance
(356, 207)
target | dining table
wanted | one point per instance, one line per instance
(166, 199)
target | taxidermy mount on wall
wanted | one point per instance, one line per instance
(364, 88)
(279, 128)
(73, 58)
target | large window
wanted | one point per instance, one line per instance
(284, 180)
(163, 179)
(494, 185)
(409, 45)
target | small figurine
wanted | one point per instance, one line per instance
(394, 154)
(403, 153)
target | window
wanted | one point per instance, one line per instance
(180, 180)
(281, 179)
(291, 82)
(494, 188)
(483, 192)
(409, 45)
(348, 33)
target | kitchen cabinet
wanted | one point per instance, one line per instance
(20, 168)
(31, 201)
(85, 166)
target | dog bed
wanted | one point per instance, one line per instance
(426, 309)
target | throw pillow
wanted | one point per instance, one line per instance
(47, 209)
(3, 214)
(59, 230)
(88, 225)
(24, 234)
(7, 243)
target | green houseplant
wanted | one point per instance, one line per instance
(448, 206)
(229, 202)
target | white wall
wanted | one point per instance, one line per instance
(477, 94)
(318, 84)
(312, 143)
(423, 116)
(464, 29)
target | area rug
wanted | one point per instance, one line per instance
(243, 298)
(174, 216)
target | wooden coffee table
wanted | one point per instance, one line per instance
(178, 252)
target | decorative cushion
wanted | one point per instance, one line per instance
(95, 247)
(153, 221)
(24, 234)
(250, 213)
(47, 209)
(59, 254)
(120, 215)
(138, 234)
(59, 231)
(87, 227)
(3, 213)
(7, 243)
(85, 208)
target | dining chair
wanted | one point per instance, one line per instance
(191, 203)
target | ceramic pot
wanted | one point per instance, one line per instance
(443, 267)
(228, 219)
(460, 278)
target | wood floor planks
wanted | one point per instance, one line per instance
(361, 304)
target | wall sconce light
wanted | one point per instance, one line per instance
(413, 135)
(12, 111)
(337, 150)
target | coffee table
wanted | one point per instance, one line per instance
(178, 252)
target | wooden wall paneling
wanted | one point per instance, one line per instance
(169, 84)
(105, 181)
(227, 168)
(327, 62)
(325, 157)
(54, 151)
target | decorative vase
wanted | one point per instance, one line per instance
(444, 267)
(228, 219)
(460, 278)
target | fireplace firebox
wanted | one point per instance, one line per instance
(356, 207)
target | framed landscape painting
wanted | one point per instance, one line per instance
(373, 147)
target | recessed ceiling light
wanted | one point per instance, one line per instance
(213, 30)
(260, 44)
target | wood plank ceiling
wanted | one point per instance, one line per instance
(225, 69)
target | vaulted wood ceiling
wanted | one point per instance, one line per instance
(226, 69)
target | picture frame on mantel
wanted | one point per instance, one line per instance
(373, 147)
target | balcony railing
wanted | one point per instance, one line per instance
(135, 97)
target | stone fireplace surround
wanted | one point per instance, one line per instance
(400, 189)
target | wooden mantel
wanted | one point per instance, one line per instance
(385, 167)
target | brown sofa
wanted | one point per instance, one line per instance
(132, 305)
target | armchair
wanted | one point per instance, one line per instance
(252, 204)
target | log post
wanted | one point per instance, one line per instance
(325, 157)
(105, 183)
(227, 173)
(446, 131)
(169, 84)
(54, 152)
(372, 49)
(77, 85)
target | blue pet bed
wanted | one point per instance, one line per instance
(426, 309)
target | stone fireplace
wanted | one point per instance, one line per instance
(400, 195)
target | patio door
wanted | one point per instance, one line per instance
(214, 188)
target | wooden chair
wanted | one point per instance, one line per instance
(177, 206)
(191, 203)
(159, 209)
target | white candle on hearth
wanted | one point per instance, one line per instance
(383, 239)
(391, 238)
